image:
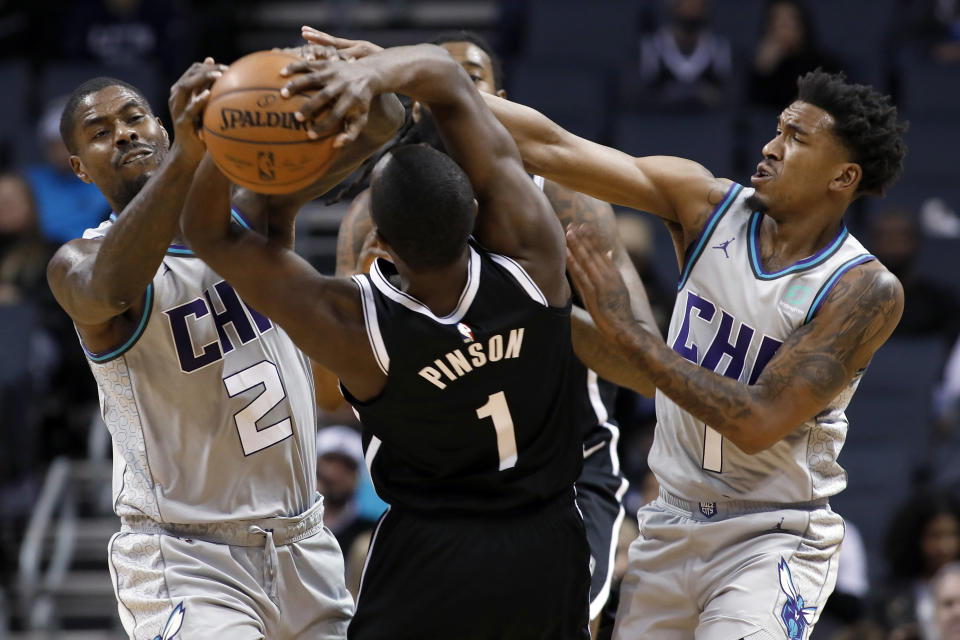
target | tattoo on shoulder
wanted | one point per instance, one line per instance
(573, 207)
(872, 299)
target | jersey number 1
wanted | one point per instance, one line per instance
(261, 374)
(496, 408)
(712, 449)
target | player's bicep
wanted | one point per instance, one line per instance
(821, 358)
(70, 277)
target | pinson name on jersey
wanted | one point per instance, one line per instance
(456, 363)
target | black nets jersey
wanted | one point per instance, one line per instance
(476, 414)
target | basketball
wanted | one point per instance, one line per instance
(251, 132)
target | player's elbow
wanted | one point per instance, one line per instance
(758, 433)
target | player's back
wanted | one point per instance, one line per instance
(473, 416)
(209, 403)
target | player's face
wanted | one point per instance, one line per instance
(477, 64)
(803, 161)
(947, 603)
(119, 141)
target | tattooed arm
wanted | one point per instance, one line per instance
(593, 349)
(808, 371)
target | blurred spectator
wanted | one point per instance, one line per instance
(934, 25)
(637, 238)
(683, 64)
(933, 310)
(23, 253)
(339, 465)
(130, 33)
(66, 206)
(894, 239)
(787, 49)
(923, 538)
(946, 600)
(846, 608)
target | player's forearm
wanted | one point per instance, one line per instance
(604, 357)
(131, 253)
(743, 414)
(538, 138)
(424, 72)
(206, 215)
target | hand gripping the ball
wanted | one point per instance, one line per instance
(343, 94)
(188, 97)
(348, 49)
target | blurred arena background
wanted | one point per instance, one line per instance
(694, 78)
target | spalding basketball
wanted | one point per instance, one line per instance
(251, 132)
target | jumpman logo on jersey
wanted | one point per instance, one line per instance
(723, 245)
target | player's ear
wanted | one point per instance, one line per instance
(415, 112)
(476, 207)
(847, 179)
(77, 165)
(166, 136)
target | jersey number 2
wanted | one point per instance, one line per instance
(712, 449)
(497, 409)
(261, 374)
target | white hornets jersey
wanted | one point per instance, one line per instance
(209, 404)
(731, 316)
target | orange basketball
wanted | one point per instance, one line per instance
(252, 134)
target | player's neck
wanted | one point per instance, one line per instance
(438, 289)
(785, 241)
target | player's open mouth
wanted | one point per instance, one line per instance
(136, 154)
(763, 173)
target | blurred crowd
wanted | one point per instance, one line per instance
(682, 65)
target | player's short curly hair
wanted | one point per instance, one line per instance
(422, 204)
(68, 121)
(865, 121)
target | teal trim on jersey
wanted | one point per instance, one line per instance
(239, 219)
(101, 358)
(753, 243)
(178, 250)
(831, 281)
(707, 231)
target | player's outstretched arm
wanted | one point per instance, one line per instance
(98, 280)
(323, 316)
(515, 218)
(807, 372)
(591, 346)
(675, 189)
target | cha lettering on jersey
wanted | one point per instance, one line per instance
(459, 362)
(218, 309)
(724, 343)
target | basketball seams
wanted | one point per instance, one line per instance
(270, 142)
(252, 133)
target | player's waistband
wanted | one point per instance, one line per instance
(709, 511)
(277, 531)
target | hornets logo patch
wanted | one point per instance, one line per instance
(174, 622)
(795, 616)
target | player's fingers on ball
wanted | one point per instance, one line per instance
(310, 109)
(298, 66)
(351, 130)
(196, 82)
(197, 104)
(319, 37)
